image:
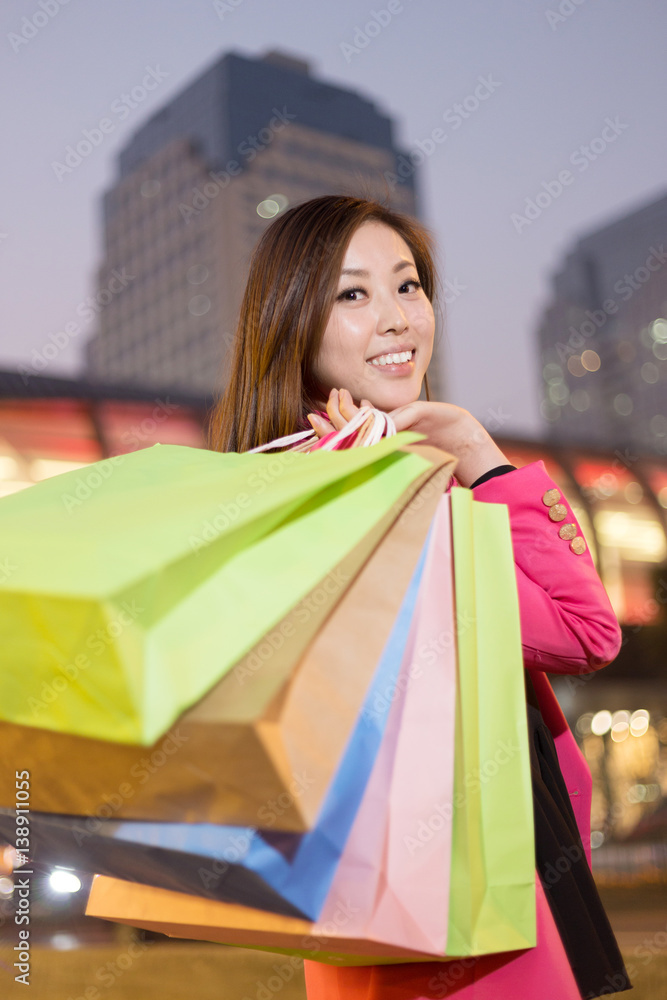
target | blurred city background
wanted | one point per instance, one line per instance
(150, 146)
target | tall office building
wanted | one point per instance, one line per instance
(197, 185)
(603, 337)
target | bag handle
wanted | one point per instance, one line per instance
(382, 426)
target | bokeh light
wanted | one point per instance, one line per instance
(62, 880)
(601, 723)
(590, 361)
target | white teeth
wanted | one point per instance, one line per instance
(392, 359)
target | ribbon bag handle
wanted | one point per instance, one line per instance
(382, 426)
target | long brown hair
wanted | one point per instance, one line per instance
(289, 295)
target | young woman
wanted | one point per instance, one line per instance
(338, 312)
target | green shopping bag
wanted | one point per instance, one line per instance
(492, 888)
(130, 598)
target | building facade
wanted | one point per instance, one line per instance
(198, 184)
(603, 337)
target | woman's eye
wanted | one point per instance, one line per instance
(350, 294)
(346, 293)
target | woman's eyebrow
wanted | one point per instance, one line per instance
(359, 273)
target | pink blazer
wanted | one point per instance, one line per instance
(567, 627)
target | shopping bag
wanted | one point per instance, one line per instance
(192, 917)
(498, 914)
(492, 899)
(180, 556)
(298, 867)
(234, 862)
(395, 883)
(386, 901)
(245, 744)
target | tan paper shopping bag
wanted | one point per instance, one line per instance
(253, 751)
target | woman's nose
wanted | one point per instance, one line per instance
(392, 318)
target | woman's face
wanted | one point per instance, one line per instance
(380, 311)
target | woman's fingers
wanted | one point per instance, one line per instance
(319, 424)
(346, 404)
(333, 410)
(404, 417)
(340, 407)
(340, 410)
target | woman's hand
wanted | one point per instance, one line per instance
(452, 429)
(340, 409)
(448, 427)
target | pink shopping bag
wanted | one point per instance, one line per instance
(405, 816)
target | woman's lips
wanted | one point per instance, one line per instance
(393, 367)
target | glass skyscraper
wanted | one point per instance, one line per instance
(603, 337)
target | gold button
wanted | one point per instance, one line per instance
(551, 497)
(568, 531)
(558, 512)
(578, 545)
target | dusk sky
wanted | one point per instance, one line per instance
(550, 77)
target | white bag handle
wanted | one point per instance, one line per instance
(382, 426)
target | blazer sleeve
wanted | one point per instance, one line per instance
(567, 623)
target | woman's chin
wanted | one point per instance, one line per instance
(391, 397)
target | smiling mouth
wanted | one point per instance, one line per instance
(393, 359)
